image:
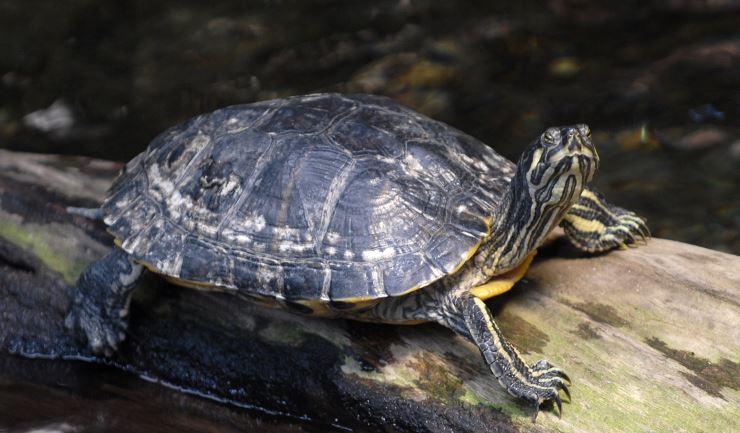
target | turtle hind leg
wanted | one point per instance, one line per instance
(595, 225)
(468, 316)
(99, 311)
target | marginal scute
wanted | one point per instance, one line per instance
(322, 198)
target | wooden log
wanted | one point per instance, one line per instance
(649, 335)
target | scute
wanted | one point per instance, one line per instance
(333, 198)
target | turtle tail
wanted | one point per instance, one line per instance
(94, 213)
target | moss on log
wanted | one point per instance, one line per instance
(649, 335)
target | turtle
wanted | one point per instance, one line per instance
(350, 206)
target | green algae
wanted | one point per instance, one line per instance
(436, 380)
(285, 333)
(395, 374)
(41, 243)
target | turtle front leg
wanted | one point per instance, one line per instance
(592, 224)
(99, 312)
(469, 317)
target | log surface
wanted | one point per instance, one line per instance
(649, 335)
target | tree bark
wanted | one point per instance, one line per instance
(649, 335)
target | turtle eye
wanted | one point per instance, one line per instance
(548, 137)
(585, 131)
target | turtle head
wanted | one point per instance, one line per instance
(553, 170)
(551, 174)
(559, 154)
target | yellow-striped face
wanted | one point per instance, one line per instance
(562, 152)
(551, 174)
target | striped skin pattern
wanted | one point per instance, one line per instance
(536, 383)
(348, 206)
(594, 225)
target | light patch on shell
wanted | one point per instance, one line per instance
(381, 227)
(234, 125)
(288, 246)
(376, 278)
(480, 165)
(386, 159)
(131, 243)
(412, 163)
(199, 141)
(160, 186)
(242, 239)
(286, 232)
(269, 276)
(333, 237)
(230, 185)
(331, 251)
(207, 229)
(170, 266)
(174, 204)
(255, 222)
(467, 160)
(499, 162)
(349, 255)
(374, 255)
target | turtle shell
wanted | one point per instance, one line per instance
(322, 197)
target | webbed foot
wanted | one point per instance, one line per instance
(535, 384)
(99, 312)
(102, 328)
(595, 225)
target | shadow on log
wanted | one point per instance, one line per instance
(650, 336)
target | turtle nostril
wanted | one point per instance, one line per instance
(574, 142)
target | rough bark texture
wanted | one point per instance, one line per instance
(650, 335)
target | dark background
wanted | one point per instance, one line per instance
(658, 81)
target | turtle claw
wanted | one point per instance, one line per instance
(562, 374)
(544, 370)
(566, 390)
(536, 411)
(550, 394)
(103, 330)
(626, 231)
(547, 380)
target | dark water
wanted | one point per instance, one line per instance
(67, 397)
(658, 81)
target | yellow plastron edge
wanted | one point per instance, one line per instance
(504, 282)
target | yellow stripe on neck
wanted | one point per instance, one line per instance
(504, 282)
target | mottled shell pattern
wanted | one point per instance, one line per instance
(322, 197)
